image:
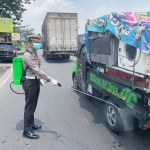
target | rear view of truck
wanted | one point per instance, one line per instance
(60, 35)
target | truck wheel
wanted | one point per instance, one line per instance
(75, 84)
(44, 51)
(66, 57)
(46, 56)
(113, 118)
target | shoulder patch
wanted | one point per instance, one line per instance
(31, 57)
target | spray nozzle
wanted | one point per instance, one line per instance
(59, 84)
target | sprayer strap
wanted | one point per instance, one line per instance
(28, 51)
(26, 68)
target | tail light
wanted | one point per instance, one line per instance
(148, 125)
(14, 51)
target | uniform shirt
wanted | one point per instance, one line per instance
(33, 62)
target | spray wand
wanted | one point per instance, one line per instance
(60, 85)
(42, 81)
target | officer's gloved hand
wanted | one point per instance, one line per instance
(54, 82)
(42, 81)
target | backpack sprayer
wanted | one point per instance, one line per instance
(17, 80)
(18, 74)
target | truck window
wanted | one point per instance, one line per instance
(83, 52)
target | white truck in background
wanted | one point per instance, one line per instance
(60, 35)
(80, 40)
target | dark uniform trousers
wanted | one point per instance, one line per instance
(32, 90)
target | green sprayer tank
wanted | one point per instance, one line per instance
(17, 70)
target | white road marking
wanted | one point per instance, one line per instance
(6, 79)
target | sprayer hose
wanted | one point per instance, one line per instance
(74, 90)
(13, 90)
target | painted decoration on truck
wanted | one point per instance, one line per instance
(132, 28)
(125, 94)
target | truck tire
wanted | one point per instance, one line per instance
(46, 56)
(43, 52)
(66, 57)
(113, 118)
(75, 84)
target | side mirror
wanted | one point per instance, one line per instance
(18, 48)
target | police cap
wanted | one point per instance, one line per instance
(34, 37)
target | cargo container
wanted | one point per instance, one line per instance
(60, 35)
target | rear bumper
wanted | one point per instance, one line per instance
(7, 57)
(61, 52)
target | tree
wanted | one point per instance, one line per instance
(13, 9)
(24, 29)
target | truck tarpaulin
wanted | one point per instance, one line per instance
(126, 26)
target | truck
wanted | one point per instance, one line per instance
(80, 40)
(114, 73)
(60, 35)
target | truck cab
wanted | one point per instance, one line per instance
(80, 69)
(125, 107)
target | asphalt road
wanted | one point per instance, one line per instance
(70, 121)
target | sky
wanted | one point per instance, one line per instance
(86, 9)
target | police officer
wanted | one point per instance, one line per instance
(31, 85)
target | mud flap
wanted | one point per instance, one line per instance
(127, 119)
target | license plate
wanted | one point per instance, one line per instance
(4, 52)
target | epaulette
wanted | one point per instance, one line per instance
(28, 51)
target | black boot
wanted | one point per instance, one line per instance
(36, 127)
(30, 135)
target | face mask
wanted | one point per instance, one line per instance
(37, 46)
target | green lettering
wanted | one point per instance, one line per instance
(114, 90)
(109, 87)
(131, 98)
(124, 93)
(95, 79)
(104, 84)
(99, 82)
(91, 76)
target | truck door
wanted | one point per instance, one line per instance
(82, 68)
